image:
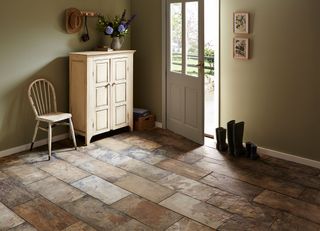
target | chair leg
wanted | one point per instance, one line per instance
(72, 134)
(35, 134)
(49, 139)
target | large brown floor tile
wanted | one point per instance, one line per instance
(196, 210)
(289, 222)
(189, 187)
(232, 185)
(96, 213)
(3, 176)
(311, 195)
(13, 193)
(238, 223)
(8, 219)
(186, 224)
(144, 170)
(296, 207)
(44, 215)
(26, 173)
(142, 143)
(183, 169)
(252, 177)
(101, 189)
(63, 170)
(79, 226)
(145, 188)
(113, 144)
(103, 170)
(56, 191)
(153, 215)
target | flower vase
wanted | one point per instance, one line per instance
(116, 43)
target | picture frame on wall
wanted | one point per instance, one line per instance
(241, 22)
(241, 48)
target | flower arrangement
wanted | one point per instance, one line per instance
(118, 27)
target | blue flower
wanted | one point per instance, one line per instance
(109, 30)
(121, 28)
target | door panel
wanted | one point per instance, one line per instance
(120, 92)
(185, 74)
(102, 96)
(102, 120)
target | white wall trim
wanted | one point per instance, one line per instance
(158, 124)
(26, 147)
(289, 157)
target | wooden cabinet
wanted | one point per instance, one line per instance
(100, 91)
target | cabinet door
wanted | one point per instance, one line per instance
(102, 88)
(120, 71)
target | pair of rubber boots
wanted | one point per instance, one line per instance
(235, 137)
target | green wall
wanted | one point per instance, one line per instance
(34, 44)
(146, 39)
(276, 92)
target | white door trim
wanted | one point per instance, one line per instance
(164, 62)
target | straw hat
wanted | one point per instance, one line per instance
(73, 20)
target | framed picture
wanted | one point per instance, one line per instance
(241, 22)
(241, 48)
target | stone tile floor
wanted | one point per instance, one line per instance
(154, 180)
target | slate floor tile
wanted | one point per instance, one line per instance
(8, 219)
(79, 226)
(311, 195)
(196, 210)
(44, 215)
(144, 170)
(289, 204)
(151, 214)
(101, 189)
(146, 156)
(289, 222)
(56, 191)
(145, 188)
(142, 143)
(183, 169)
(13, 193)
(26, 173)
(189, 187)
(232, 185)
(236, 223)
(186, 224)
(63, 170)
(113, 144)
(103, 170)
(96, 214)
(74, 157)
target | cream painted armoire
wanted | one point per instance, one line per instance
(101, 91)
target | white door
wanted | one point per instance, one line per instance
(185, 68)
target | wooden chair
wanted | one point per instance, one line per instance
(43, 101)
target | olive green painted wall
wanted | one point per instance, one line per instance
(33, 43)
(276, 92)
(146, 39)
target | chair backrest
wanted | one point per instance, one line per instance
(42, 97)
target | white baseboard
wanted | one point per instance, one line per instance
(158, 124)
(289, 157)
(26, 147)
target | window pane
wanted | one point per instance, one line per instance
(192, 45)
(176, 37)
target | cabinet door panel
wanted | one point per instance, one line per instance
(102, 119)
(120, 115)
(102, 71)
(120, 70)
(120, 92)
(102, 96)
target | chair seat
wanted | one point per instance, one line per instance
(54, 117)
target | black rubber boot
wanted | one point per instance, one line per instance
(251, 151)
(238, 129)
(221, 134)
(230, 136)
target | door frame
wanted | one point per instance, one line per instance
(164, 66)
